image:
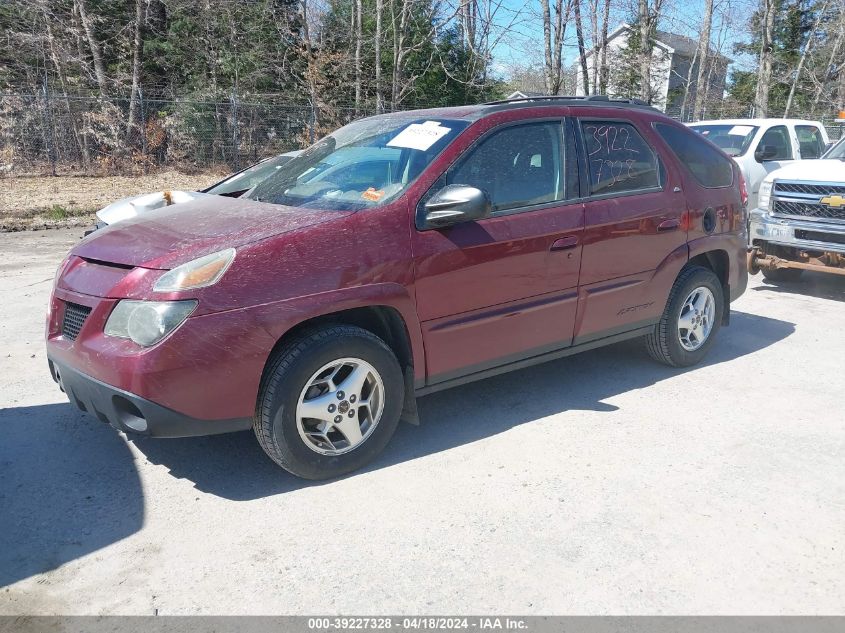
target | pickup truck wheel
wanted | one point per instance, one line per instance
(782, 274)
(690, 321)
(329, 402)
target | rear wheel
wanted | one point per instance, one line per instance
(690, 321)
(329, 402)
(782, 274)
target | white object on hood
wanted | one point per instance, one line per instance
(130, 207)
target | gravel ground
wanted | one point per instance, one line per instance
(601, 483)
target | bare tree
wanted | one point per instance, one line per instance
(703, 53)
(137, 51)
(93, 45)
(553, 36)
(379, 97)
(359, 39)
(582, 53)
(764, 66)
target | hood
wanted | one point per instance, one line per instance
(820, 170)
(131, 207)
(170, 236)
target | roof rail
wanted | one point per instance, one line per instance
(581, 98)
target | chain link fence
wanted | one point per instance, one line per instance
(47, 133)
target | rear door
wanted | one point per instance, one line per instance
(634, 222)
(503, 288)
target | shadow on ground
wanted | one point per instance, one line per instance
(70, 485)
(811, 284)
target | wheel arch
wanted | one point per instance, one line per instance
(718, 261)
(386, 322)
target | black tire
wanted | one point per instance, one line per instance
(782, 274)
(663, 343)
(287, 372)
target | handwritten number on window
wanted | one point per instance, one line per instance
(613, 152)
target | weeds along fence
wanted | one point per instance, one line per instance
(46, 132)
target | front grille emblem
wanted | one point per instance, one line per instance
(834, 202)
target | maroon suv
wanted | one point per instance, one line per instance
(403, 254)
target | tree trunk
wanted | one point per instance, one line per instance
(359, 37)
(764, 70)
(137, 51)
(645, 50)
(604, 71)
(547, 44)
(703, 57)
(582, 53)
(379, 98)
(93, 45)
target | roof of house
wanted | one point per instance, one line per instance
(670, 42)
(525, 94)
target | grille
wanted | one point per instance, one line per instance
(74, 319)
(815, 190)
(808, 210)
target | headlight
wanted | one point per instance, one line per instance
(765, 194)
(147, 322)
(199, 273)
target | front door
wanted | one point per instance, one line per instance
(505, 287)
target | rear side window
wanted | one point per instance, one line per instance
(706, 164)
(618, 158)
(776, 140)
(810, 141)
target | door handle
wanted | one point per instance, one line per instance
(668, 225)
(565, 243)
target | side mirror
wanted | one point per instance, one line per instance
(765, 152)
(455, 204)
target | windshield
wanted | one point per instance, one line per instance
(364, 164)
(249, 177)
(837, 151)
(731, 139)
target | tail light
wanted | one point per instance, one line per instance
(743, 190)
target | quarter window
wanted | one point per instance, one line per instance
(810, 141)
(777, 138)
(707, 165)
(517, 166)
(618, 158)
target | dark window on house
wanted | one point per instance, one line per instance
(707, 165)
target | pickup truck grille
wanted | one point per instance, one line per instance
(73, 320)
(804, 200)
(812, 189)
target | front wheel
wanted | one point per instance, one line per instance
(690, 321)
(329, 402)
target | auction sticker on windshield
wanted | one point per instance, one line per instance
(419, 136)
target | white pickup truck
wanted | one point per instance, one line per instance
(760, 146)
(799, 222)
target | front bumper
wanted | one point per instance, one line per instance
(807, 235)
(132, 414)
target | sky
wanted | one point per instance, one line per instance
(523, 45)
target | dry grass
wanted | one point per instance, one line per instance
(37, 202)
